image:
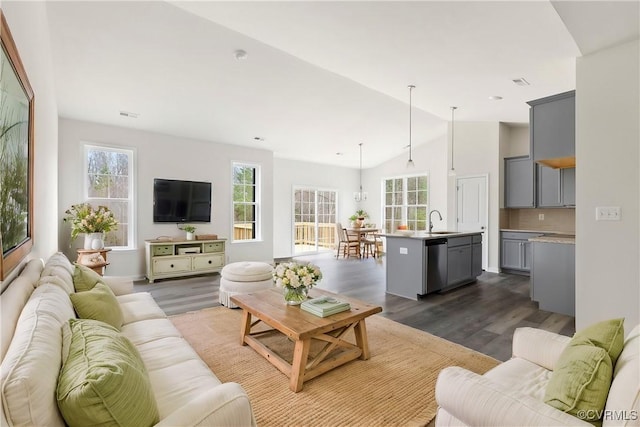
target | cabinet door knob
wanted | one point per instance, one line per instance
(171, 265)
(209, 261)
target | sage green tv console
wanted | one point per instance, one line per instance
(178, 258)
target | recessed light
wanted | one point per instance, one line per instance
(129, 114)
(240, 54)
(495, 97)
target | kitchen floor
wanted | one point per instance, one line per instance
(481, 315)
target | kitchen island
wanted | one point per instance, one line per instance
(420, 263)
(553, 276)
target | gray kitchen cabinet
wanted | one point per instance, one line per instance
(424, 264)
(406, 271)
(553, 277)
(552, 126)
(555, 187)
(515, 251)
(568, 186)
(548, 187)
(519, 182)
(476, 259)
(459, 260)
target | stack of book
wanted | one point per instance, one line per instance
(324, 306)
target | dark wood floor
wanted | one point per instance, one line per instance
(481, 316)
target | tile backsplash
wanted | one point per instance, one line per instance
(562, 220)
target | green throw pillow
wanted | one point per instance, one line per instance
(581, 380)
(99, 304)
(84, 278)
(608, 335)
(104, 381)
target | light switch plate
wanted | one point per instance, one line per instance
(404, 251)
(540, 217)
(608, 213)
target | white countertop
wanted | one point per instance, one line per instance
(555, 238)
(537, 231)
(424, 235)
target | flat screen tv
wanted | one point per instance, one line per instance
(181, 201)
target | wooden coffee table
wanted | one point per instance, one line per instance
(269, 307)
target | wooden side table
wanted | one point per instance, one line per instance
(95, 259)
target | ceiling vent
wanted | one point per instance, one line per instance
(129, 114)
(521, 82)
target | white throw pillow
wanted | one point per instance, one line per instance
(29, 371)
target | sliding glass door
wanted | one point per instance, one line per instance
(314, 218)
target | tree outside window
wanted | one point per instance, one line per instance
(405, 203)
(245, 202)
(109, 182)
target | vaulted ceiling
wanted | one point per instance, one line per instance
(320, 77)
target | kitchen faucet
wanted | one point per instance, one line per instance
(431, 222)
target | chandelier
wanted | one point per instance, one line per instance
(360, 195)
(410, 163)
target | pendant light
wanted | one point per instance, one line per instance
(453, 109)
(360, 195)
(410, 163)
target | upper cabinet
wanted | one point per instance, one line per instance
(556, 188)
(553, 131)
(519, 182)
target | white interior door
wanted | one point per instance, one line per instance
(471, 209)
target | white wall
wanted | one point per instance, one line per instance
(518, 142)
(30, 29)
(289, 173)
(477, 152)
(429, 158)
(163, 156)
(607, 164)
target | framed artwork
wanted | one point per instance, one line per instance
(16, 156)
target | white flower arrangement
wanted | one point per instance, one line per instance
(292, 275)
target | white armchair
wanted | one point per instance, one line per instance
(512, 394)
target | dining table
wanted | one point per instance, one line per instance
(362, 232)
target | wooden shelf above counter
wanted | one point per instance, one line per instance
(559, 162)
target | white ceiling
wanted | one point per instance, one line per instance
(320, 77)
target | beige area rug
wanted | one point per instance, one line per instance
(395, 387)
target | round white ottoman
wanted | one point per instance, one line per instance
(242, 278)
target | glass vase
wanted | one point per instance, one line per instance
(295, 296)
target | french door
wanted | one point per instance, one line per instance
(314, 218)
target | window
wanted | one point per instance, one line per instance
(109, 182)
(246, 196)
(405, 202)
(314, 219)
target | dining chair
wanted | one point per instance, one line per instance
(347, 244)
(371, 243)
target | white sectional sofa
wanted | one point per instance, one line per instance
(512, 393)
(34, 308)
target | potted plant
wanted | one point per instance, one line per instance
(93, 222)
(358, 218)
(190, 229)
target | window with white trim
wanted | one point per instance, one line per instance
(109, 182)
(405, 203)
(246, 202)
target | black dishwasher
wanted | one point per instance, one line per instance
(435, 263)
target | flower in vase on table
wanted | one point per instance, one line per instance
(86, 219)
(296, 279)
